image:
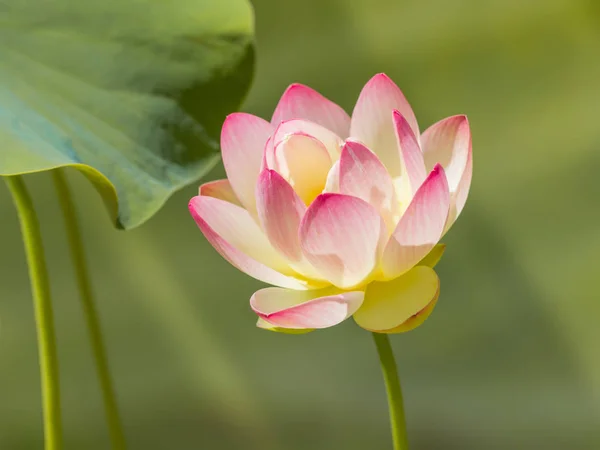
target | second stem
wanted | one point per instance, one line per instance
(115, 428)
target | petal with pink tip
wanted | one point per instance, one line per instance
(331, 141)
(400, 304)
(298, 310)
(420, 227)
(262, 323)
(220, 189)
(411, 156)
(362, 175)
(280, 211)
(372, 122)
(236, 236)
(243, 139)
(448, 142)
(304, 162)
(302, 102)
(341, 236)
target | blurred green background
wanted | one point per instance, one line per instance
(510, 358)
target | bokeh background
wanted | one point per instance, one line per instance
(510, 359)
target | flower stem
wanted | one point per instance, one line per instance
(394, 391)
(40, 287)
(115, 428)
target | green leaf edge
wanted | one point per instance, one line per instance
(107, 189)
(103, 185)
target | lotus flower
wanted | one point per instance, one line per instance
(342, 214)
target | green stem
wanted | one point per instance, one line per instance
(115, 428)
(394, 391)
(40, 287)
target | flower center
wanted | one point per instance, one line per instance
(304, 162)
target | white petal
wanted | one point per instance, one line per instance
(333, 179)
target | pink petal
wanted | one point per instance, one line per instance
(410, 152)
(331, 141)
(220, 189)
(448, 142)
(420, 227)
(362, 175)
(243, 139)
(321, 308)
(302, 102)
(341, 236)
(280, 211)
(372, 121)
(236, 236)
